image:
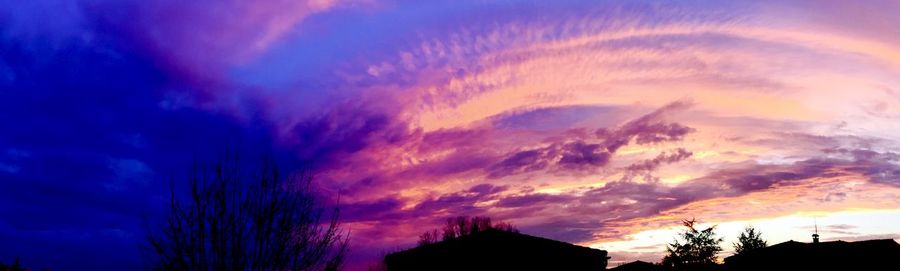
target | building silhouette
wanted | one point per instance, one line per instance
(871, 255)
(816, 233)
(638, 266)
(498, 250)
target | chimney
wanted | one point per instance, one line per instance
(816, 234)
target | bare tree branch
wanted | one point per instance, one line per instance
(265, 222)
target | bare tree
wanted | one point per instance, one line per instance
(505, 226)
(266, 221)
(462, 226)
(429, 237)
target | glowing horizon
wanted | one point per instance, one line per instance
(650, 244)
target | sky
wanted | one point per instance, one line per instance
(601, 123)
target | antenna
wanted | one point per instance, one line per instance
(815, 235)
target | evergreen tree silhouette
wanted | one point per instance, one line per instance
(696, 249)
(749, 240)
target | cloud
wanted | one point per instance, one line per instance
(463, 202)
(864, 155)
(532, 199)
(647, 166)
(93, 150)
(325, 139)
(649, 128)
(373, 210)
(580, 155)
(619, 206)
(576, 156)
(200, 40)
(128, 172)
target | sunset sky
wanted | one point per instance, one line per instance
(601, 123)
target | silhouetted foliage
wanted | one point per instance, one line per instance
(749, 240)
(263, 222)
(505, 226)
(696, 250)
(16, 266)
(430, 237)
(462, 226)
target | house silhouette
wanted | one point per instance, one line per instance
(498, 250)
(868, 255)
(637, 266)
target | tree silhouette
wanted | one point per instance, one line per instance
(16, 266)
(696, 250)
(462, 226)
(265, 221)
(749, 240)
(429, 237)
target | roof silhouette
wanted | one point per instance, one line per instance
(637, 266)
(498, 250)
(836, 255)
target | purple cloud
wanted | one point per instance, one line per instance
(532, 199)
(578, 155)
(647, 166)
(620, 201)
